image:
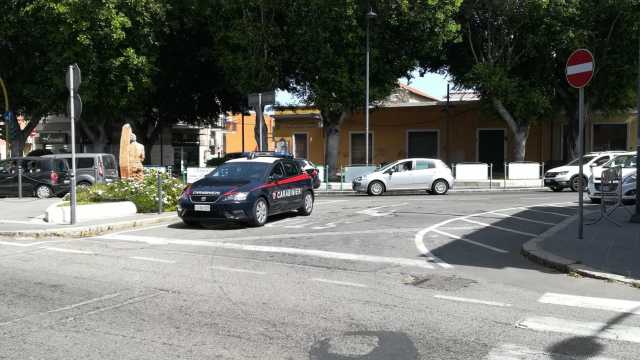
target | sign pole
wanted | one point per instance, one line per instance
(260, 119)
(73, 146)
(580, 163)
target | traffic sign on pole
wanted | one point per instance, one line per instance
(579, 70)
(73, 77)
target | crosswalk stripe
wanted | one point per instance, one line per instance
(579, 328)
(517, 352)
(617, 305)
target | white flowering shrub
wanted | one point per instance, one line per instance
(144, 194)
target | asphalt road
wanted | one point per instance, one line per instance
(394, 277)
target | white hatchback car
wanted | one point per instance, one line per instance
(432, 175)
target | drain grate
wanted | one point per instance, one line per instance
(438, 282)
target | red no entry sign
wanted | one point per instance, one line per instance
(580, 67)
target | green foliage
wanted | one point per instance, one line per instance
(144, 194)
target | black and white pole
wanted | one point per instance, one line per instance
(370, 15)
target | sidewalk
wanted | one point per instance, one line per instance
(459, 187)
(24, 218)
(607, 251)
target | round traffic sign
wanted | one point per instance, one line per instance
(579, 70)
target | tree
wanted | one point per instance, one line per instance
(111, 40)
(610, 30)
(325, 55)
(498, 55)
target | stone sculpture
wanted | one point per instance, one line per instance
(131, 155)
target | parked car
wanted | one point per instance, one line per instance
(629, 189)
(41, 177)
(432, 175)
(91, 168)
(627, 161)
(567, 176)
(311, 169)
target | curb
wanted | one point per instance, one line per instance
(452, 191)
(85, 231)
(533, 250)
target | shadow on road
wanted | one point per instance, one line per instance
(585, 347)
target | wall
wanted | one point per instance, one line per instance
(233, 134)
(285, 128)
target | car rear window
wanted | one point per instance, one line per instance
(84, 163)
(109, 162)
(424, 164)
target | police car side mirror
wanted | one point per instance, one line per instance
(390, 171)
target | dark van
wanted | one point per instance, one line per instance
(41, 177)
(91, 168)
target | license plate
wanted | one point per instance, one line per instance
(202, 207)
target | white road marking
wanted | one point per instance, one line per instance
(70, 251)
(617, 305)
(18, 244)
(281, 250)
(374, 210)
(502, 251)
(500, 228)
(283, 221)
(579, 328)
(143, 258)
(69, 307)
(473, 301)
(517, 352)
(345, 283)
(419, 237)
(161, 241)
(106, 297)
(300, 224)
(124, 303)
(325, 202)
(460, 228)
(543, 212)
(224, 268)
(523, 218)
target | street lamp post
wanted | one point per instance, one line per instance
(370, 15)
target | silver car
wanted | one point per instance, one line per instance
(432, 175)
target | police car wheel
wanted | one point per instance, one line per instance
(376, 188)
(43, 192)
(307, 207)
(439, 187)
(260, 213)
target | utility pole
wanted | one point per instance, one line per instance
(370, 15)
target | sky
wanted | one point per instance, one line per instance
(431, 83)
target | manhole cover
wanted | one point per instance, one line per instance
(442, 283)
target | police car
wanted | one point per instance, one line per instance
(248, 189)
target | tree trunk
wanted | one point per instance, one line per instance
(98, 140)
(520, 131)
(17, 145)
(520, 143)
(332, 123)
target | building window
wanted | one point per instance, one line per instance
(422, 144)
(300, 145)
(358, 149)
(609, 137)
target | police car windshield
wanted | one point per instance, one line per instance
(240, 170)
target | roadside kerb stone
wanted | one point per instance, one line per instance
(86, 230)
(534, 251)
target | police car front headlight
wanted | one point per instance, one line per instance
(239, 196)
